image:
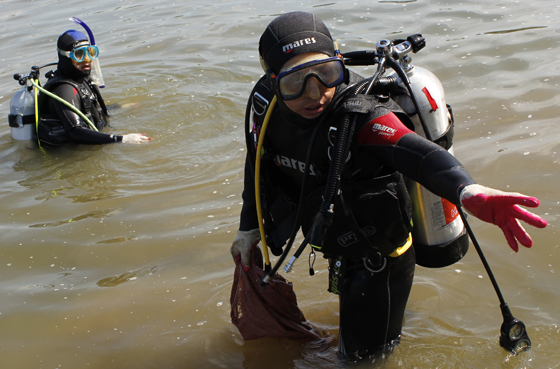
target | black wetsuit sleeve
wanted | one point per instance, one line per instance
(414, 156)
(430, 165)
(248, 217)
(73, 123)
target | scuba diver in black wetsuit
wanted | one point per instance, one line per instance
(60, 124)
(368, 240)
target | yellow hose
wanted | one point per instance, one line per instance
(257, 180)
(37, 114)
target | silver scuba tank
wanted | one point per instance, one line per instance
(439, 236)
(22, 114)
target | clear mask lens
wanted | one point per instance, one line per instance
(79, 53)
(292, 83)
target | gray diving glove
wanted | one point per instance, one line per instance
(242, 246)
(135, 138)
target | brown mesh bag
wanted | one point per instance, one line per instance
(266, 311)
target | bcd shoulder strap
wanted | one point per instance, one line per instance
(87, 98)
(261, 96)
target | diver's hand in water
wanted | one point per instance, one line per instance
(502, 209)
(135, 138)
(242, 246)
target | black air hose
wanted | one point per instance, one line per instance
(324, 217)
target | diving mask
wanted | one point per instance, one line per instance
(329, 72)
(79, 53)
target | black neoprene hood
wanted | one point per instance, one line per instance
(293, 34)
(67, 41)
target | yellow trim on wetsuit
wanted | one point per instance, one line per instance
(401, 250)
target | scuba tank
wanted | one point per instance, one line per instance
(439, 236)
(23, 105)
(22, 114)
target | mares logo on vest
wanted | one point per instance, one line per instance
(283, 161)
(351, 238)
(306, 41)
(383, 130)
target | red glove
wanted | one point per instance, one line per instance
(501, 208)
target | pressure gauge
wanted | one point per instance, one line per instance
(514, 336)
(516, 331)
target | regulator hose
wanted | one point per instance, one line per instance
(257, 183)
(401, 73)
(324, 217)
(76, 110)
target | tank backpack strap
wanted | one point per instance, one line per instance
(86, 99)
(97, 107)
(257, 106)
(99, 98)
(371, 217)
(91, 104)
(260, 99)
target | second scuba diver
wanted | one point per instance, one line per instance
(59, 124)
(373, 274)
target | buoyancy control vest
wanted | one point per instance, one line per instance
(51, 129)
(373, 210)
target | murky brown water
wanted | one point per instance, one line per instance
(117, 256)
